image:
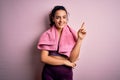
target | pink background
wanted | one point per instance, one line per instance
(23, 21)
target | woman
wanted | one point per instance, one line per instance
(60, 46)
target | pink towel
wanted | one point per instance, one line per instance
(49, 40)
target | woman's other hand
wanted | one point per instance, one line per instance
(68, 63)
(82, 32)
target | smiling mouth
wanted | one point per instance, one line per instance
(61, 24)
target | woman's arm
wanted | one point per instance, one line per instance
(76, 50)
(54, 61)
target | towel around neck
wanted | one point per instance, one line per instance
(49, 40)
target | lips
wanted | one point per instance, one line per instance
(61, 24)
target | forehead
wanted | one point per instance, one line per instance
(60, 13)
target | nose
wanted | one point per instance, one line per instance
(61, 19)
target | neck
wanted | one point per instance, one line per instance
(59, 30)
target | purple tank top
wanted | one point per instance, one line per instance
(55, 53)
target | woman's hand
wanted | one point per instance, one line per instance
(68, 63)
(82, 32)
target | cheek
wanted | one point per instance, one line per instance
(65, 21)
(57, 21)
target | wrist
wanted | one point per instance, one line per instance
(64, 62)
(79, 40)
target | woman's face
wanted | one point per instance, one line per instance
(60, 19)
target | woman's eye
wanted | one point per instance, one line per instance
(57, 17)
(64, 17)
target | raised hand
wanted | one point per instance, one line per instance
(82, 31)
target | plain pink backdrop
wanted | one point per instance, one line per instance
(23, 21)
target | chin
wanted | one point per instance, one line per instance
(61, 26)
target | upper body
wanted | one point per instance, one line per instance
(58, 18)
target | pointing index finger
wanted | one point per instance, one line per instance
(82, 25)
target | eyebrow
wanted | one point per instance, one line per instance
(60, 16)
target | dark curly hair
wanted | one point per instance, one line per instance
(52, 14)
